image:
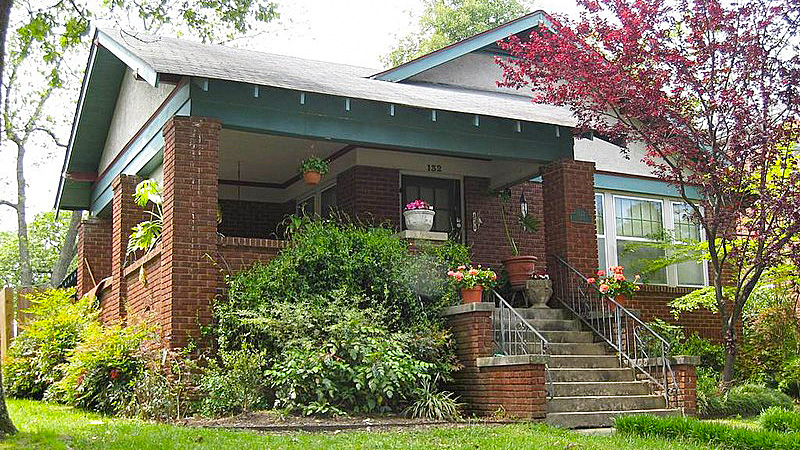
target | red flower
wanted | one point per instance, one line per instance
(114, 374)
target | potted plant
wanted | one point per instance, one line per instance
(539, 289)
(419, 215)
(471, 281)
(520, 268)
(313, 169)
(614, 284)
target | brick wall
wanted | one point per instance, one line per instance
(489, 244)
(94, 253)
(685, 379)
(652, 303)
(235, 254)
(145, 299)
(371, 194)
(513, 390)
(253, 219)
(125, 215)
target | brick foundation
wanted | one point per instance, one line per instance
(652, 302)
(94, 253)
(511, 386)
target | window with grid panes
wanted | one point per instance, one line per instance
(690, 273)
(638, 220)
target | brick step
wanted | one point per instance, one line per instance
(605, 403)
(544, 313)
(562, 348)
(573, 337)
(567, 388)
(584, 361)
(556, 324)
(604, 375)
(600, 419)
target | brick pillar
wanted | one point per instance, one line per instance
(568, 201)
(513, 385)
(125, 215)
(94, 253)
(686, 379)
(189, 279)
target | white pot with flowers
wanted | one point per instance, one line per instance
(538, 289)
(419, 215)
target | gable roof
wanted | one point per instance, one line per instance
(482, 40)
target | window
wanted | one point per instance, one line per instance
(689, 273)
(599, 219)
(318, 202)
(638, 220)
(443, 194)
(327, 202)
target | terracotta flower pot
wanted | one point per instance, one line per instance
(312, 178)
(621, 299)
(472, 295)
(520, 269)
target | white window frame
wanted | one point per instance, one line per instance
(667, 223)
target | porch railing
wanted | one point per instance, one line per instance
(638, 346)
(514, 335)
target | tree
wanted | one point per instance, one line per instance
(712, 91)
(444, 22)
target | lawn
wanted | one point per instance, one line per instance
(46, 426)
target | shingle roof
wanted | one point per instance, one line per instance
(180, 57)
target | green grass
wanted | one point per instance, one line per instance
(46, 426)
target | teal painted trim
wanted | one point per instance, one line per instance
(641, 186)
(369, 123)
(137, 64)
(471, 44)
(147, 146)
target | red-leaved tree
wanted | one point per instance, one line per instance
(712, 91)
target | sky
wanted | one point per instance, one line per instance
(356, 32)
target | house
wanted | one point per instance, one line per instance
(225, 129)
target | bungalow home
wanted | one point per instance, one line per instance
(225, 129)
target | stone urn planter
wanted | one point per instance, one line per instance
(520, 269)
(419, 219)
(538, 292)
(472, 295)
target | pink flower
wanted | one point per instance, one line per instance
(619, 277)
(462, 267)
(591, 280)
(604, 288)
(450, 273)
(473, 272)
(458, 276)
(601, 273)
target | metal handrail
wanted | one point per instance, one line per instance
(626, 333)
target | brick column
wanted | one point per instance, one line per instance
(94, 253)
(189, 279)
(686, 378)
(568, 200)
(125, 215)
(514, 385)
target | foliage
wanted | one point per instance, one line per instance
(745, 400)
(614, 283)
(680, 80)
(418, 204)
(708, 433)
(146, 234)
(780, 420)
(45, 237)
(705, 298)
(468, 277)
(236, 384)
(432, 403)
(102, 371)
(527, 222)
(444, 22)
(314, 164)
(54, 329)
(166, 388)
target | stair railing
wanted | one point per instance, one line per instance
(638, 346)
(514, 335)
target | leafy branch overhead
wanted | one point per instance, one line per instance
(146, 234)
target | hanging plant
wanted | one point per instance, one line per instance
(313, 169)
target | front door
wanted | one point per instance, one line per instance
(445, 197)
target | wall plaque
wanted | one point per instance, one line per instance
(580, 215)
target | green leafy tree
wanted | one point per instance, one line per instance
(444, 22)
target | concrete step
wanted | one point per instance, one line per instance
(605, 403)
(544, 313)
(599, 375)
(556, 324)
(571, 389)
(569, 336)
(562, 348)
(584, 361)
(600, 419)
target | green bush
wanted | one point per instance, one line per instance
(236, 384)
(706, 433)
(432, 403)
(36, 356)
(166, 388)
(102, 371)
(780, 420)
(745, 400)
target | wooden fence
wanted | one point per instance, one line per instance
(13, 304)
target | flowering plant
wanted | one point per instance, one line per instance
(540, 275)
(467, 277)
(614, 282)
(419, 204)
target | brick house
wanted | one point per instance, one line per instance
(225, 129)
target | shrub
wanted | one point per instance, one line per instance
(744, 400)
(236, 384)
(780, 420)
(165, 389)
(431, 403)
(789, 381)
(713, 434)
(103, 369)
(36, 356)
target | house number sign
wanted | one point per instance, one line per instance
(434, 167)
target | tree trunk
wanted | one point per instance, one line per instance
(25, 271)
(729, 342)
(6, 425)
(67, 250)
